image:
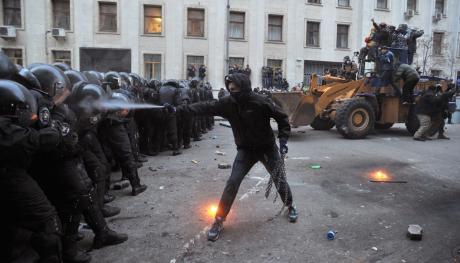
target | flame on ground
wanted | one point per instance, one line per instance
(380, 175)
(212, 210)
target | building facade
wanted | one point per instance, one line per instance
(160, 38)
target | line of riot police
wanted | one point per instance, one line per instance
(62, 132)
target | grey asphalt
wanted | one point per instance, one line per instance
(168, 222)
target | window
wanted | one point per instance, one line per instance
(275, 28)
(63, 57)
(152, 19)
(437, 43)
(195, 22)
(275, 64)
(107, 17)
(313, 34)
(344, 3)
(314, 2)
(412, 5)
(342, 36)
(436, 72)
(439, 6)
(61, 14)
(236, 27)
(196, 61)
(382, 4)
(236, 61)
(152, 66)
(12, 13)
(15, 54)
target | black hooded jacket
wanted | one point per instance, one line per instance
(249, 115)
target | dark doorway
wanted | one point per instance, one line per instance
(105, 59)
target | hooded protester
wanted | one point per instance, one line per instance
(249, 115)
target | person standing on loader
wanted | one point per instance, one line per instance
(410, 77)
(386, 59)
(249, 115)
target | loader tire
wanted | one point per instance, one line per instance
(383, 126)
(355, 118)
(322, 124)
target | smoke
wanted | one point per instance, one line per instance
(120, 105)
(89, 105)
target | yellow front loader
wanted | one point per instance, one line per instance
(355, 107)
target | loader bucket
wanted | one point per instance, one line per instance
(304, 113)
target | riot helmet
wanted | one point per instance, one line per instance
(53, 82)
(125, 81)
(26, 78)
(112, 80)
(17, 103)
(85, 102)
(7, 68)
(62, 66)
(75, 76)
(93, 77)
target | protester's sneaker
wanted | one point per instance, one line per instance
(216, 229)
(443, 137)
(421, 139)
(292, 214)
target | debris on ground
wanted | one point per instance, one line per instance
(161, 187)
(331, 234)
(390, 182)
(315, 166)
(374, 248)
(414, 232)
(220, 153)
(225, 124)
(194, 161)
(224, 166)
(152, 169)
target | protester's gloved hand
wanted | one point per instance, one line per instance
(283, 146)
(170, 108)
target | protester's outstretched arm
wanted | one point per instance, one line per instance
(214, 108)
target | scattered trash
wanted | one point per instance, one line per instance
(414, 232)
(315, 166)
(224, 166)
(217, 146)
(225, 124)
(153, 170)
(220, 153)
(225, 253)
(300, 158)
(214, 137)
(374, 248)
(161, 187)
(390, 182)
(331, 234)
(194, 161)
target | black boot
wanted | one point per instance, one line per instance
(71, 253)
(135, 182)
(109, 211)
(108, 198)
(216, 229)
(108, 237)
(176, 152)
